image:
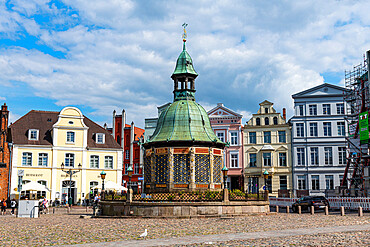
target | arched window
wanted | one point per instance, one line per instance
(119, 140)
(267, 122)
(258, 121)
(275, 121)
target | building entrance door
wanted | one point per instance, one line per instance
(67, 193)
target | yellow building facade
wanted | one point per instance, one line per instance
(267, 148)
(43, 141)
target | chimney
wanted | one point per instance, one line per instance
(132, 144)
(284, 114)
(105, 126)
(114, 124)
(123, 125)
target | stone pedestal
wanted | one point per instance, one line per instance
(225, 195)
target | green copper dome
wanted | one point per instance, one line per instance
(184, 120)
(184, 64)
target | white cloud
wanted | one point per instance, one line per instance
(121, 54)
(2, 98)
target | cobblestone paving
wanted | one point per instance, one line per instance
(61, 228)
(361, 238)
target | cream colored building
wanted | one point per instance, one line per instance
(43, 140)
(267, 147)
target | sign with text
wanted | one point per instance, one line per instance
(364, 127)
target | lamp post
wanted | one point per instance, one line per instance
(129, 171)
(102, 175)
(266, 175)
(224, 173)
(71, 172)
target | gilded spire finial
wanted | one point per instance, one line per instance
(184, 35)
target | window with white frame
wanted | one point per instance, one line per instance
(329, 180)
(33, 135)
(340, 109)
(313, 129)
(70, 136)
(93, 184)
(26, 159)
(282, 159)
(300, 157)
(267, 159)
(283, 182)
(252, 137)
(221, 136)
(341, 128)
(300, 110)
(252, 160)
(282, 136)
(136, 168)
(340, 179)
(43, 159)
(301, 182)
(126, 167)
(342, 155)
(326, 109)
(299, 129)
(328, 155)
(327, 128)
(41, 194)
(127, 154)
(312, 110)
(234, 160)
(234, 138)
(100, 138)
(108, 163)
(314, 156)
(69, 160)
(267, 137)
(94, 161)
(315, 182)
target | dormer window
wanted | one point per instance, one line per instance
(33, 135)
(70, 137)
(100, 138)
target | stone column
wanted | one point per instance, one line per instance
(192, 185)
(170, 169)
(211, 184)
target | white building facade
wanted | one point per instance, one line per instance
(318, 140)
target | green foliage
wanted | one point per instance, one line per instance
(171, 197)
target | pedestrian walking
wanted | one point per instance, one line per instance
(13, 205)
(3, 206)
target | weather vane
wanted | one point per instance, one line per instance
(184, 35)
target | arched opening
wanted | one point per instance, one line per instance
(275, 121)
(258, 121)
(267, 122)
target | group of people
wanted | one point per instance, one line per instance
(4, 205)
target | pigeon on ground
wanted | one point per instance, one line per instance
(144, 234)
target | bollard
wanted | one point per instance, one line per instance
(312, 210)
(342, 211)
(287, 209)
(68, 209)
(360, 212)
(277, 209)
(326, 210)
(299, 210)
(53, 210)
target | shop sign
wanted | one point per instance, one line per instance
(364, 127)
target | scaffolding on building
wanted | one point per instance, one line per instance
(357, 98)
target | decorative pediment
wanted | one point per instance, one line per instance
(282, 148)
(321, 90)
(252, 150)
(221, 111)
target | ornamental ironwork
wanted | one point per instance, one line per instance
(202, 168)
(181, 169)
(217, 166)
(161, 171)
(147, 169)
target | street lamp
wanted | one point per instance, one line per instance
(224, 173)
(129, 171)
(102, 175)
(266, 175)
(70, 172)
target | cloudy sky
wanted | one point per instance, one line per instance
(106, 55)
